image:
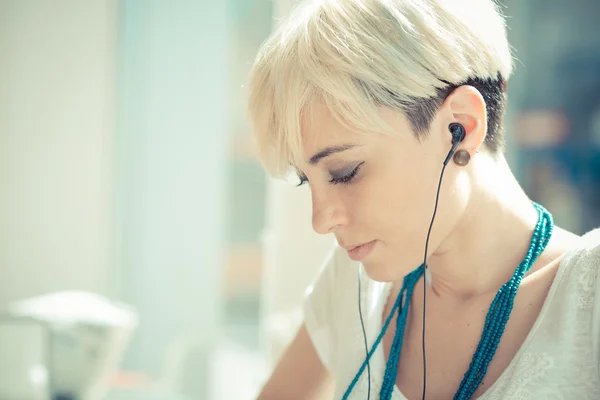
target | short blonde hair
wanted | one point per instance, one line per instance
(356, 56)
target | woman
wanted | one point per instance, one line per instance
(364, 99)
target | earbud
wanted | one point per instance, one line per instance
(458, 134)
(457, 131)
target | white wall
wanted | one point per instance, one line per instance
(113, 133)
(173, 131)
(56, 145)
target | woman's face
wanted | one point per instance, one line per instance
(377, 191)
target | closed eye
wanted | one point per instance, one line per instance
(348, 177)
(344, 179)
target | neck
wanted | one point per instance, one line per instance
(491, 239)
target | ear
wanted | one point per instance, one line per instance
(467, 107)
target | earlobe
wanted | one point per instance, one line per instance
(462, 158)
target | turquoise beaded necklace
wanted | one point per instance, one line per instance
(495, 322)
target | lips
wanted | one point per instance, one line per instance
(350, 248)
(359, 252)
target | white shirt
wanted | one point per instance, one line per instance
(559, 359)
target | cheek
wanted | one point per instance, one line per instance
(400, 205)
(393, 203)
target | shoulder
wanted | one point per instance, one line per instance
(327, 303)
(337, 270)
(585, 264)
(590, 246)
(331, 309)
(580, 268)
(585, 253)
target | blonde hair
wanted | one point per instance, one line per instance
(356, 56)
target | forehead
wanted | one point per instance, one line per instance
(320, 128)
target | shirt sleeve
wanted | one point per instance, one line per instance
(593, 257)
(321, 311)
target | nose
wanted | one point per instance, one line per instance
(328, 212)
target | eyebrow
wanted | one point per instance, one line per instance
(326, 152)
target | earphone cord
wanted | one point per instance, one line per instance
(437, 198)
(364, 337)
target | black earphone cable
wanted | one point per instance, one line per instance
(458, 135)
(437, 199)
(365, 338)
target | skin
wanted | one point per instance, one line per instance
(481, 233)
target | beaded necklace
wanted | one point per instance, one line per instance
(495, 322)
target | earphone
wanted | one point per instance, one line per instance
(458, 135)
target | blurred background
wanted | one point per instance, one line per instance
(144, 254)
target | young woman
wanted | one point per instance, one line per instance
(364, 100)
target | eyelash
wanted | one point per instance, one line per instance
(347, 178)
(344, 179)
(303, 180)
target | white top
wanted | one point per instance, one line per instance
(560, 358)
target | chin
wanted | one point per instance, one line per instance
(381, 271)
(386, 270)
